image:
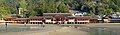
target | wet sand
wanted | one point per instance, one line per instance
(49, 30)
(62, 31)
(57, 30)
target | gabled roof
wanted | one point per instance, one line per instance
(22, 18)
(48, 17)
(52, 14)
(70, 17)
(59, 17)
(36, 17)
(9, 19)
(82, 17)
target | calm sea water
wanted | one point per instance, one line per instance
(104, 31)
(99, 30)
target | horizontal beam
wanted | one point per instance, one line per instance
(35, 21)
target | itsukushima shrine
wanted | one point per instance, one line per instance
(51, 18)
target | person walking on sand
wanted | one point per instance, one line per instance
(42, 25)
(6, 24)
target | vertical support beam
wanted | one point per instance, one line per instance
(43, 23)
(32, 22)
(38, 23)
(65, 22)
(25, 23)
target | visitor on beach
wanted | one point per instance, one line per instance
(6, 24)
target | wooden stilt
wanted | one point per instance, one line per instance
(25, 23)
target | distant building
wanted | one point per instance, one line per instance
(80, 14)
(21, 20)
(36, 19)
(82, 20)
(113, 18)
(77, 13)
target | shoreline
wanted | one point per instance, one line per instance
(55, 29)
(61, 31)
(89, 25)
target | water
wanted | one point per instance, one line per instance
(99, 30)
(104, 31)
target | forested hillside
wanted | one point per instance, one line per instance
(27, 8)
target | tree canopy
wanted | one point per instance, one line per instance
(37, 7)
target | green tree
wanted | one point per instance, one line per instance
(63, 8)
(23, 6)
(4, 10)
